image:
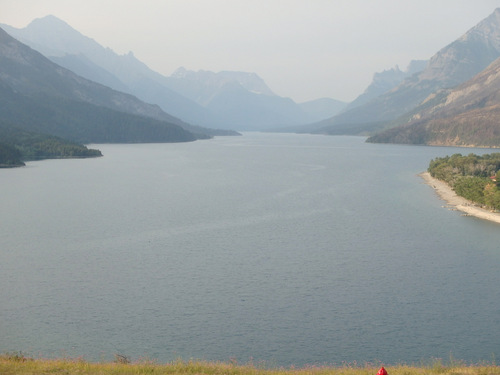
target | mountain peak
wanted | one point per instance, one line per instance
(201, 85)
(53, 37)
(487, 30)
(467, 115)
(467, 55)
(33, 88)
(51, 26)
(383, 82)
(49, 20)
(180, 72)
(449, 67)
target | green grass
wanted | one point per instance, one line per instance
(19, 364)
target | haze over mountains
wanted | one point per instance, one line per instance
(382, 82)
(87, 93)
(228, 100)
(385, 81)
(242, 99)
(82, 55)
(467, 115)
(38, 95)
(452, 65)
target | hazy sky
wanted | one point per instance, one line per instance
(303, 49)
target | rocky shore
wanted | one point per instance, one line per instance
(447, 194)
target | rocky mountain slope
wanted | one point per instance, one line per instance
(57, 40)
(385, 81)
(38, 95)
(67, 47)
(468, 115)
(452, 65)
(229, 100)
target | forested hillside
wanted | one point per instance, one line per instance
(19, 145)
(10, 156)
(473, 177)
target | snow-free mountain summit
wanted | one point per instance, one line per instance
(41, 96)
(227, 100)
(449, 67)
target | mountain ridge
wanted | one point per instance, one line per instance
(240, 98)
(385, 81)
(66, 46)
(450, 66)
(194, 85)
(39, 95)
(198, 103)
(467, 115)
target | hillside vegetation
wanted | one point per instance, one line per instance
(476, 178)
(18, 145)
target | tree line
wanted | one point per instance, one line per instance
(18, 145)
(474, 177)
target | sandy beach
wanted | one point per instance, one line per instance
(447, 194)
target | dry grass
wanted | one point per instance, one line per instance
(18, 364)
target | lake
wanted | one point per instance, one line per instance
(279, 249)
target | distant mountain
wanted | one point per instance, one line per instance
(224, 100)
(203, 85)
(322, 108)
(84, 67)
(242, 99)
(318, 109)
(69, 48)
(452, 65)
(468, 115)
(385, 81)
(38, 95)
(382, 82)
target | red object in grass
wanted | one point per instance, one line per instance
(382, 371)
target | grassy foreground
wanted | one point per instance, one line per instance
(16, 364)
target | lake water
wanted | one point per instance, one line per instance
(277, 248)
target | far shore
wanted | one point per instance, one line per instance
(447, 194)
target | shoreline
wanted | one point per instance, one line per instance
(447, 194)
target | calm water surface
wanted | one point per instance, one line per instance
(287, 249)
